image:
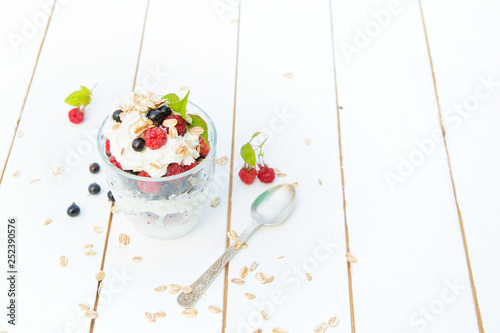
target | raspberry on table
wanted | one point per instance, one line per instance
(204, 150)
(113, 161)
(247, 175)
(174, 169)
(181, 124)
(155, 137)
(266, 175)
(76, 116)
(148, 187)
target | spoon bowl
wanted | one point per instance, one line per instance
(270, 208)
(274, 205)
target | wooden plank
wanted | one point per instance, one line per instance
(404, 228)
(190, 46)
(23, 26)
(290, 38)
(467, 78)
(87, 43)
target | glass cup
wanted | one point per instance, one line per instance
(177, 207)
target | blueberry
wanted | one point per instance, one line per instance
(157, 117)
(94, 168)
(166, 110)
(116, 116)
(110, 196)
(94, 188)
(73, 210)
(138, 144)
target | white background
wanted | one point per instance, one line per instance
(400, 101)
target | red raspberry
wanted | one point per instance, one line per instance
(174, 169)
(148, 187)
(108, 147)
(247, 176)
(266, 175)
(113, 161)
(155, 137)
(190, 166)
(76, 116)
(181, 124)
(204, 150)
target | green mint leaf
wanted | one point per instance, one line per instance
(248, 154)
(171, 98)
(196, 120)
(178, 105)
(253, 136)
(80, 97)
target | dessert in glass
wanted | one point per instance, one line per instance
(159, 155)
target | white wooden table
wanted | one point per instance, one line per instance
(373, 85)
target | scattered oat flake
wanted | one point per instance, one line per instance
(265, 315)
(16, 174)
(238, 281)
(83, 307)
(149, 317)
(183, 88)
(115, 209)
(197, 130)
(187, 290)
(20, 134)
(90, 253)
(321, 328)
(232, 235)
(278, 330)
(307, 141)
(190, 313)
(333, 322)
(58, 170)
(257, 331)
(97, 230)
(351, 258)
(35, 180)
(281, 257)
(281, 174)
(270, 279)
(261, 277)
(124, 239)
(215, 203)
(295, 184)
(320, 182)
(244, 245)
(249, 296)
(254, 266)
(47, 221)
(288, 75)
(115, 126)
(222, 161)
(308, 277)
(173, 288)
(160, 289)
(214, 309)
(100, 276)
(160, 314)
(63, 261)
(244, 272)
(237, 244)
(137, 259)
(91, 314)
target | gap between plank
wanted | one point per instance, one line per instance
(230, 194)
(346, 227)
(27, 92)
(110, 220)
(462, 228)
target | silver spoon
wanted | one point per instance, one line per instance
(270, 208)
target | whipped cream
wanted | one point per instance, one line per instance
(154, 162)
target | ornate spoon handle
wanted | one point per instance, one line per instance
(201, 285)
